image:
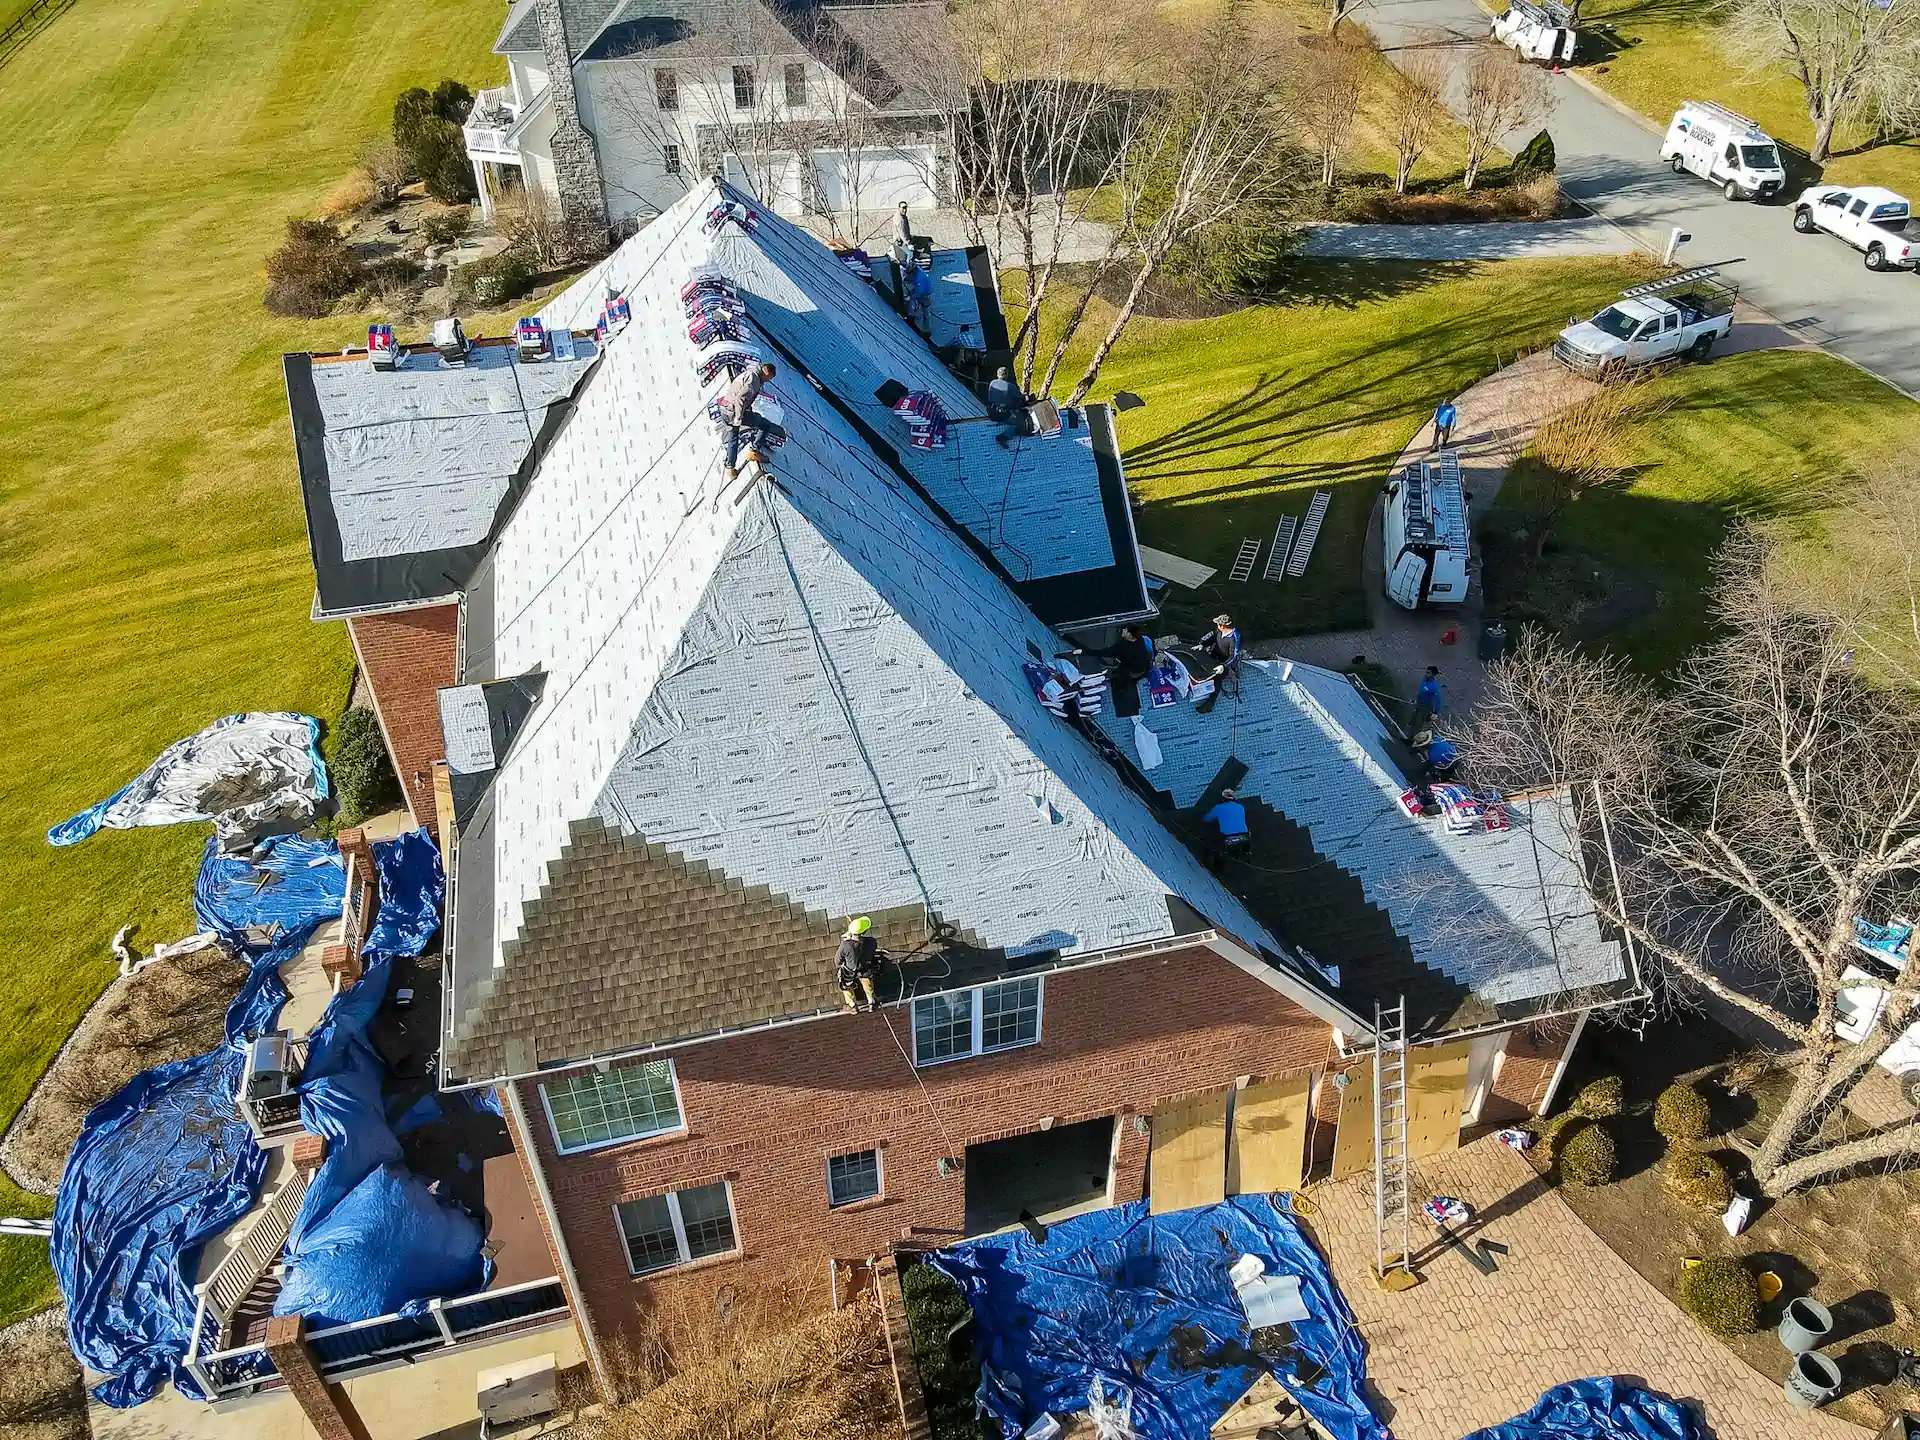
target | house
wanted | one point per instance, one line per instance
(614, 109)
(690, 727)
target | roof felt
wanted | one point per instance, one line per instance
(814, 690)
(407, 474)
(1506, 915)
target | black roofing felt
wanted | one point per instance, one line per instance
(1116, 590)
(348, 587)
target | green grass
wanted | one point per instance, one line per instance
(1671, 50)
(153, 564)
(1771, 436)
(1248, 414)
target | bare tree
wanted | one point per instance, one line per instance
(1201, 149)
(1758, 809)
(1589, 443)
(1869, 568)
(1329, 85)
(1416, 103)
(1854, 59)
(1502, 95)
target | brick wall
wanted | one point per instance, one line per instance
(765, 1111)
(1533, 1052)
(407, 657)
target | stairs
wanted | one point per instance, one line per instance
(1311, 902)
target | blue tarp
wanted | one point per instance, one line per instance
(1601, 1409)
(370, 1239)
(290, 881)
(1145, 1301)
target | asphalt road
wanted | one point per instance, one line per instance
(1816, 286)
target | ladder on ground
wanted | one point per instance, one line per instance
(1392, 1237)
(1243, 562)
(1282, 542)
(1309, 532)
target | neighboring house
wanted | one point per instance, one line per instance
(616, 108)
(689, 730)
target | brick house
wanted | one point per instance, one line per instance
(691, 725)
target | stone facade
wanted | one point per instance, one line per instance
(576, 157)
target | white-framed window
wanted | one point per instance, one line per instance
(854, 1177)
(795, 77)
(591, 1108)
(666, 89)
(743, 87)
(670, 156)
(677, 1228)
(963, 1023)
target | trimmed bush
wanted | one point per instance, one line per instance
(942, 1350)
(363, 778)
(1720, 1294)
(1589, 1156)
(497, 279)
(1681, 1113)
(1535, 159)
(448, 226)
(1697, 1180)
(1602, 1099)
(312, 270)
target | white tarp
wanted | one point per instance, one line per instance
(252, 774)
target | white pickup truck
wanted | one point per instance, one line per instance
(1543, 30)
(1875, 221)
(1682, 315)
(1857, 1009)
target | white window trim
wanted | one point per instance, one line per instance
(672, 1197)
(879, 1153)
(976, 996)
(679, 1105)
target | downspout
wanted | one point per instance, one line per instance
(583, 1320)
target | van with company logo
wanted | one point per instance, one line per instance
(1726, 148)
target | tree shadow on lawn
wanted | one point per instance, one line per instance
(1349, 284)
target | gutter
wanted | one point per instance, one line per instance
(583, 1318)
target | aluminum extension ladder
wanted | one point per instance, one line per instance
(1392, 1237)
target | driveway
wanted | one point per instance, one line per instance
(1609, 160)
(1500, 240)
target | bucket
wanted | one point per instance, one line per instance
(1806, 1325)
(1812, 1380)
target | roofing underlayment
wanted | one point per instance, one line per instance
(811, 694)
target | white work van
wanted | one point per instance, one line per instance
(1857, 1008)
(1651, 324)
(1875, 221)
(1543, 30)
(1423, 531)
(1725, 147)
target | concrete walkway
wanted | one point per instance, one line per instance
(1500, 240)
(1461, 1351)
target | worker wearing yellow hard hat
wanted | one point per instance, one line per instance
(858, 961)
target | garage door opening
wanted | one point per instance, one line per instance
(1050, 1174)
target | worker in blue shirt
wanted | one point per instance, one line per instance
(1426, 700)
(1229, 820)
(1443, 419)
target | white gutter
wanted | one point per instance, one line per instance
(582, 1318)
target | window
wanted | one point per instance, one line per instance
(963, 1023)
(677, 1228)
(796, 78)
(591, 1108)
(743, 87)
(1859, 208)
(853, 1178)
(670, 156)
(666, 89)
(1669, 322)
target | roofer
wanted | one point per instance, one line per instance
(743, 425)
(1427, 699)
(1221, 645)
(1229, 820)
(858, 961)
(1132, 656)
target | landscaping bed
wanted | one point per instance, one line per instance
(1853, 1245)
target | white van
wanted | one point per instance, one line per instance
(1423, 531)
(1726, 148)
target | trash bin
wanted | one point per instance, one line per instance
(1812, 1380)
(1493, 642)
(1806, 1325)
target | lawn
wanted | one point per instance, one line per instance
(1667, 51)
(153, 562)
(1768, 436)
(1249, 413)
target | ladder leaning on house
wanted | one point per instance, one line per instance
(1392, 1237)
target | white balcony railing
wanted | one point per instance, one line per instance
(493, 117)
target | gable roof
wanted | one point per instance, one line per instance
(814, 691)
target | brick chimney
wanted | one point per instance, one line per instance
(576, 159)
